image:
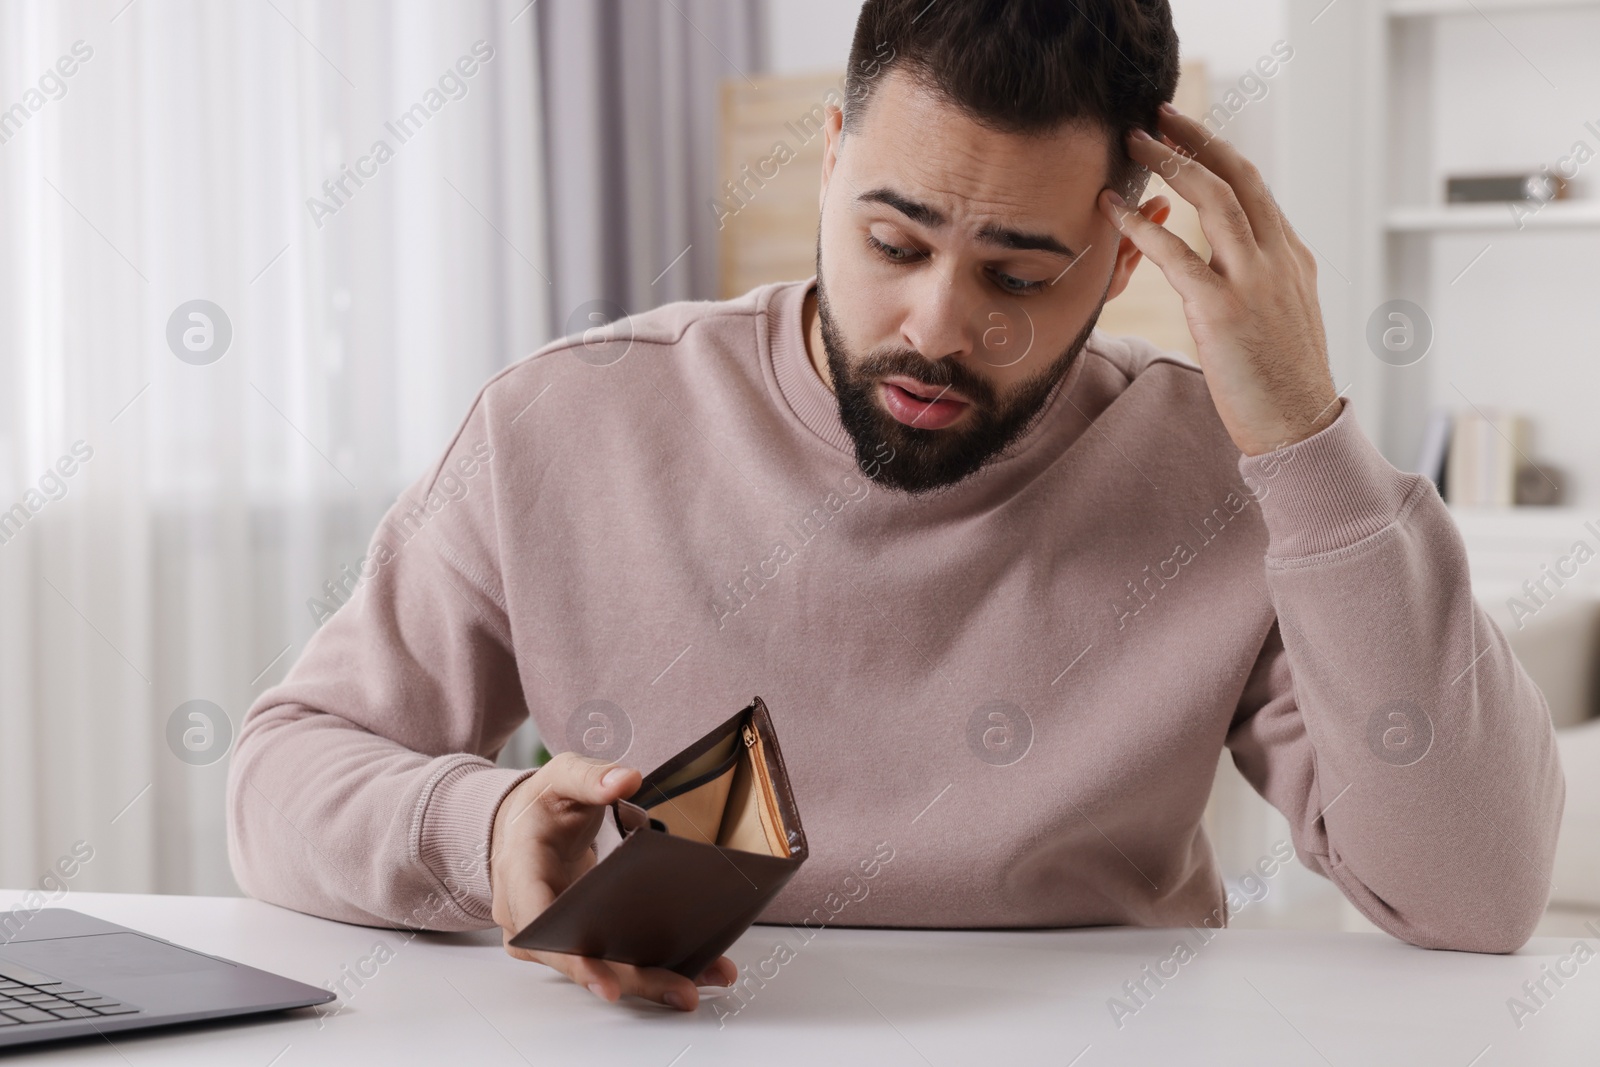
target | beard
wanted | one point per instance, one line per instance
(925, 460)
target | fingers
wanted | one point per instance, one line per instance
(722, 971)
(1242, 177)
(1233, 242)
(569, 776)
(660, 985)
(528, 874)
(1185, 271)
(569, 794)
(544, 830)
(613, 981)
(597, 976)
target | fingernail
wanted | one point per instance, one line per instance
(1139, 134)
(1116, 198)
(1169, 109)
(714, 975)
(613, 776)
(675, 999)
(598, 990)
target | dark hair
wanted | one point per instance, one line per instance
(1027, 66)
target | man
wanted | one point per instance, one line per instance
(1009, 585)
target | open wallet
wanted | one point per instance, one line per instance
(709, 838)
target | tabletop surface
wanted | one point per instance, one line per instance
(884, 997)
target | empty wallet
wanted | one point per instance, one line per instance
(709, 838)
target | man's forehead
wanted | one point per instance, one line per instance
(921, 146)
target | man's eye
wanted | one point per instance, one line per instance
(1016, 285)
(890, 252)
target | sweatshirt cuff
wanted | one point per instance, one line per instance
(457, 823)
(1327, 492)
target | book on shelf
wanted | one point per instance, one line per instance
(1435, 449)
(1485, 451)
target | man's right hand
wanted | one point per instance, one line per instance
(543, 833)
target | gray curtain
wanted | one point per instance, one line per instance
(632, 104)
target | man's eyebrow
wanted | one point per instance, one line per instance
(1024, 242)
(914, 210)
(1000, 236)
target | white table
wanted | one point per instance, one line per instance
(872, 997)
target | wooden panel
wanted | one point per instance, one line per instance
(771, 176)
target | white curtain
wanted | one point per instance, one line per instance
(215, 492)
(633, 103)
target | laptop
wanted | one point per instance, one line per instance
(64, 974)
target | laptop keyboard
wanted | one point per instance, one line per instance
(26, 996)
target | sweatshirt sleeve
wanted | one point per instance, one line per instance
(1387, 717)
(362, 787)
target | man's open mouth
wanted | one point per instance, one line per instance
(927, 407)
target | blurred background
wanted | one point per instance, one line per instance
(257, 256)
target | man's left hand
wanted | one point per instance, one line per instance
(1253, 308)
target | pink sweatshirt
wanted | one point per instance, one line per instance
(1001, 706)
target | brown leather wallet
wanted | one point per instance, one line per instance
(708, 840)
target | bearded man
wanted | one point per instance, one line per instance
(1009, 586)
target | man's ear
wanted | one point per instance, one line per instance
(1156, 209)
(833, 130)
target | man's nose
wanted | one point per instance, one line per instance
(939, 322)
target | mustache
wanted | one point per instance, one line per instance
(937, 373)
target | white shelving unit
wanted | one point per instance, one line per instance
(1383, 98)
(1387, 99)
(1556, 215)
(1416, 8)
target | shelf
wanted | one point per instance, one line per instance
(1555, 215)
(1431, 97)
(1424, 8)
(1526, 521)
(1509, 545)
(1524, 530)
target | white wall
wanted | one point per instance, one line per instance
(804, 36)
(1229, 35)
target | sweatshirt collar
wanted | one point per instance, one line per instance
(802, 387)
